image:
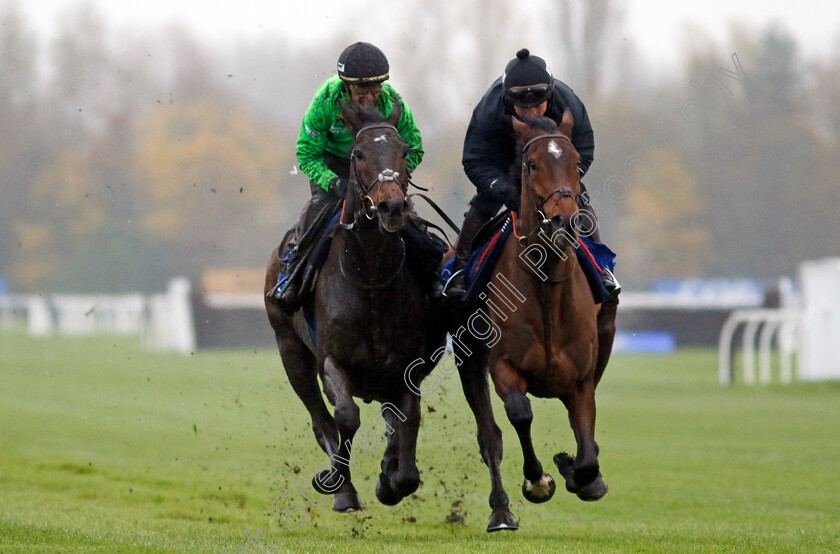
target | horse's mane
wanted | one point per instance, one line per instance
(540, 122)
(537, 122)
(368, 115)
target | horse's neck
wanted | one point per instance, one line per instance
(370, 245)
(557, 263)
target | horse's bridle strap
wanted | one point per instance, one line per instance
(376, 126)
(541, 137)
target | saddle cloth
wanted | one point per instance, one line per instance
(591, 255)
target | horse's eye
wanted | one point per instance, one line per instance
(358, 155)
(531, 165)
(405, 153)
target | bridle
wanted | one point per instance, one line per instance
(387, 175)
(544, 225)
(368, 210)
(562, 192)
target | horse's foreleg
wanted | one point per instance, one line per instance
(403, 477)
(390, 459)
(582, 474)
(538, 486)
(347, 421)
(606, 336)
(474, 382)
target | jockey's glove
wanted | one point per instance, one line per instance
(512, 198)
(339, 186)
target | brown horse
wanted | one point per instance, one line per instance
(372, 320)
(551, 340)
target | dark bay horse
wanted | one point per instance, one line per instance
(551, 340)
(372, 320)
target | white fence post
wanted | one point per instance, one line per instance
(820, 358)
(168, 324)
(783, 323)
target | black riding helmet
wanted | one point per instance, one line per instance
(527, 80)
(362, 62)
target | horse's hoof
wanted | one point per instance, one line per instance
(385, 493)
(585, 475)
(347, 501)
(539, 491)
(322, 483)
(502, 520)
(566, 466)
(594, 490)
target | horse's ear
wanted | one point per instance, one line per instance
(396, 112)
(524, 131)
(350, 118)
(567, 123)
(519, 126)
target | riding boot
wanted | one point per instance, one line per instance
(474, 219)
(288, 294)
(590, 228)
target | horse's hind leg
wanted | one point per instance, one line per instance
(606, 336)
(474, 382)
(582, 473)
(347, 420)
(538, 486)
(299, 364)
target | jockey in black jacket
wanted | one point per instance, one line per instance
(491, 159)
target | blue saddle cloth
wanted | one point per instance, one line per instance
(591, 255)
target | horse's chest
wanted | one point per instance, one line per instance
(549, 365)
(376, 329)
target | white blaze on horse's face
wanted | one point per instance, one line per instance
(554, 150)
(380, 138)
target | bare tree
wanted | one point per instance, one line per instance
(583, 30)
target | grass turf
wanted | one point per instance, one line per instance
(107, 448)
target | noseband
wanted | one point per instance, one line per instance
(368, 205)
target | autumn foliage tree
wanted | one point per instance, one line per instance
(210, 178)
(662, 232)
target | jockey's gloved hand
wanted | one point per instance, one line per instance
(497, 190)
(511, 199)
(339, 186)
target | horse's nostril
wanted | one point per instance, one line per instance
(383, 208)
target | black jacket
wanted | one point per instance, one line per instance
(491, 159)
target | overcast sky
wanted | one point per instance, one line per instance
(656, 27)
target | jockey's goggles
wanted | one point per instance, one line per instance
(531, 95)
(364, 88)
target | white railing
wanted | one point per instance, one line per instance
(763, 325)
(163, 321)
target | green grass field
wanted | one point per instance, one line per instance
(107, 448)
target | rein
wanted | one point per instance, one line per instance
(377, 286)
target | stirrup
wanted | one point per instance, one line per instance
(277, 290)
(614, 290)
(446, 287)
